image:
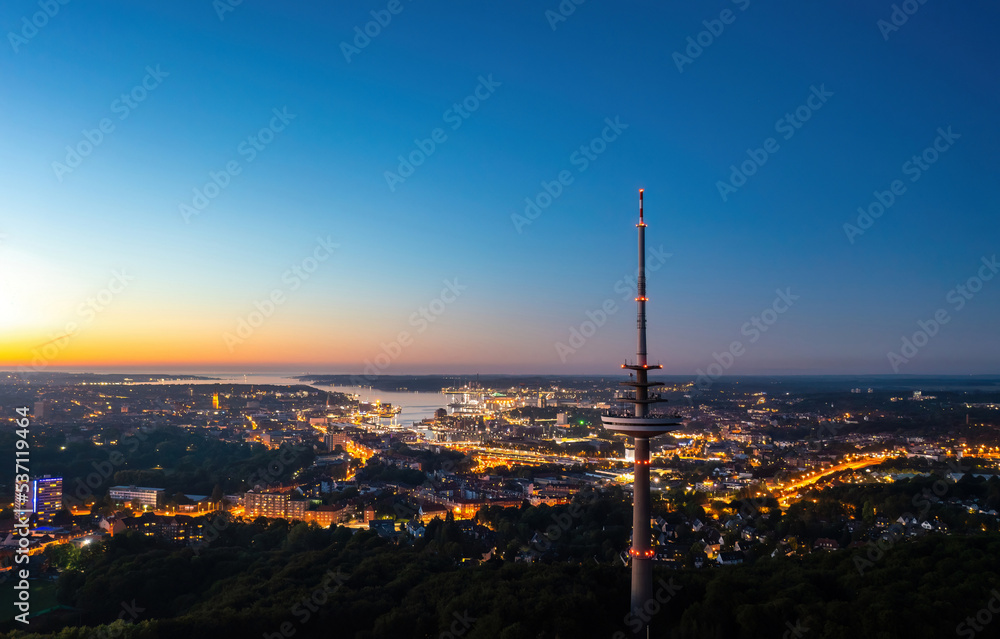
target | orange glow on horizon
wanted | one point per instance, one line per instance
(274, 347)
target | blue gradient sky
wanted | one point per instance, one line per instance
(323, 176)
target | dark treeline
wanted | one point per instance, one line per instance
(255, 577)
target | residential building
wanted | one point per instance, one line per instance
(142, 495)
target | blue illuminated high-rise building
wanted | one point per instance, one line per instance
(46, 498)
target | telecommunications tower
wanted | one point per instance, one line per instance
(641, 426)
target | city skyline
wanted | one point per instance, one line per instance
(346, 318)
(178, 172)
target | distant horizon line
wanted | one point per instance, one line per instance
(301, 373)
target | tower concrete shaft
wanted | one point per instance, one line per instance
(642, 553)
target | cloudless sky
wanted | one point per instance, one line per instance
(524, 284)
